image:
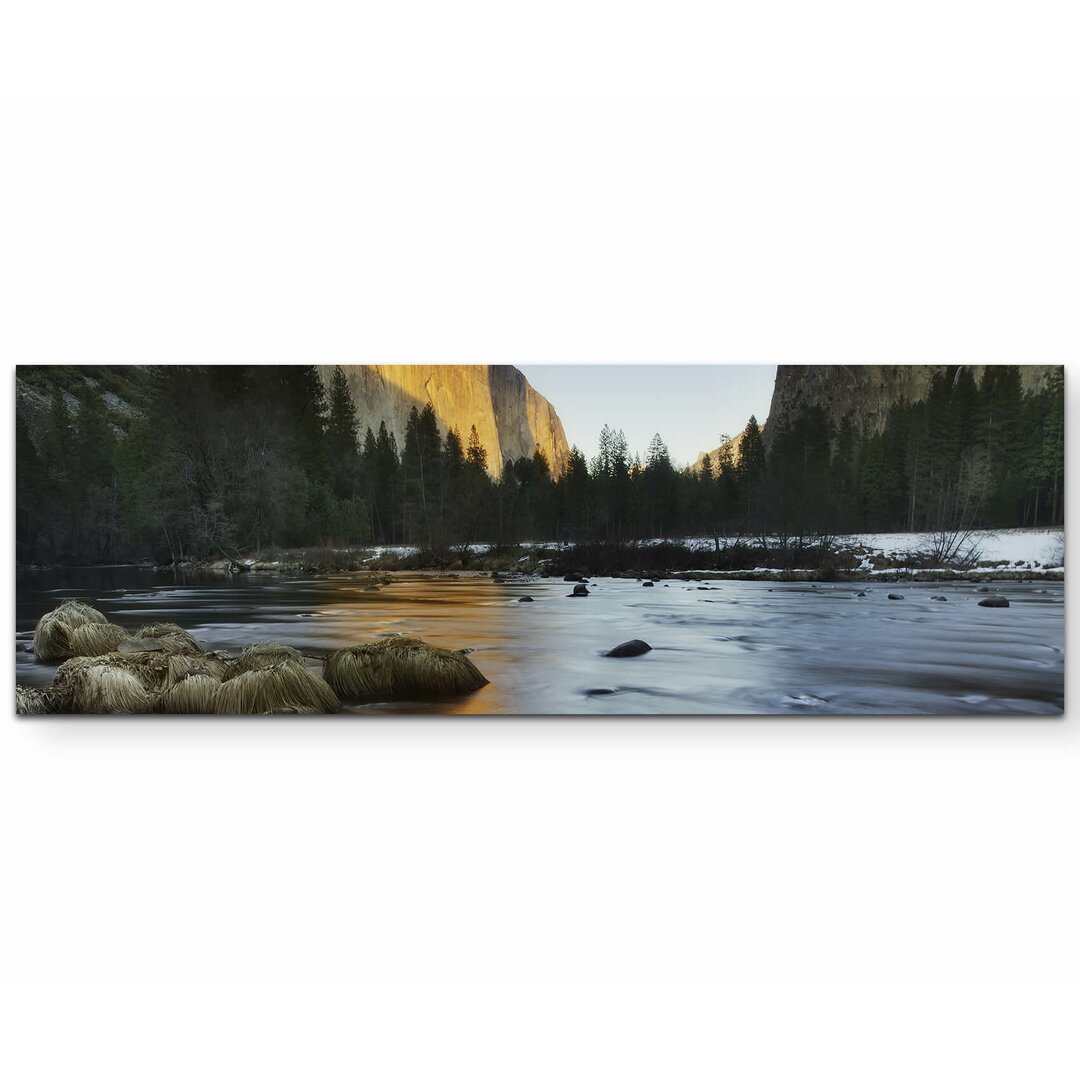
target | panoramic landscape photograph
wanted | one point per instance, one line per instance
(549, 540)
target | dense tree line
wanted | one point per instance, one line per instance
(969, 455)
(228, 460)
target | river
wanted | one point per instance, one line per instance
(718, 647)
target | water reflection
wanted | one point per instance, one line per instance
(737, 647)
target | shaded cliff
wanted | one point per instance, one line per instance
(511, 418)
(865, 392)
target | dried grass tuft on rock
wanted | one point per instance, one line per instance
(192, 694)
(400, 668)
(108, 688)
(52, 635)
(266, 654)
(36, 700)
(149, 668)
(97, 639)
(168, 637)
(284, 687)
(217, 666)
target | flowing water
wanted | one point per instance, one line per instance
(731, 647)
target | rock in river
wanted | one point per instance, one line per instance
(895, 596)
(994, 601)
(647, 585)
(634, 647)
(579, 590)
(525, 599)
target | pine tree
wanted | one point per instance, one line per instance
(384, 469)
(453, 453)
(476, 455)
(342, 435)
(750, 468)
(342, 427)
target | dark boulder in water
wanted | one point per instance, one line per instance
(943, 599)
(895, 596)
(579, 590)
(525, 599)
(634, 647)
(646, 584)
(994, 601)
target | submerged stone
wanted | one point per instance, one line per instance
(994, 601)
(633, 647)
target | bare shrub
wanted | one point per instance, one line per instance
(1055, 552)
(951, 549)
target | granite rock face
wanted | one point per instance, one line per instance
(511, 418)
(864, 392)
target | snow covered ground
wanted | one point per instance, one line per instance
(1022, 548)
(1035, 551)
(1032, 549)
(1028, 549)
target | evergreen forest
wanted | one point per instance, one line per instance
(218, 460)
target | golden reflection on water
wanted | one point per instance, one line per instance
(463, 613)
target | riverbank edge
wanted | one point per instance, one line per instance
(383, 570)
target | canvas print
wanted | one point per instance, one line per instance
(547, 540)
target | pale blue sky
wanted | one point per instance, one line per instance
(689, 405)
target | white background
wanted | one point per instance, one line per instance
(566, 182)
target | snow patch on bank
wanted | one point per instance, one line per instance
(1030, 550)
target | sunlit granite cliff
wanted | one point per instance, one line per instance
(511, 418)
